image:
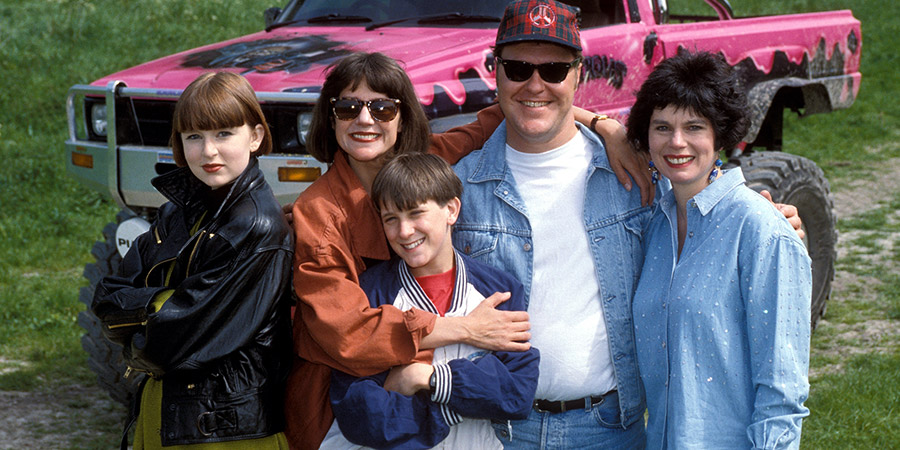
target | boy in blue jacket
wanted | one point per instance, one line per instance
(450, 400)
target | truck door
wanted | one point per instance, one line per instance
(613, 46)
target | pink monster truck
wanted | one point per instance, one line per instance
(807, 63)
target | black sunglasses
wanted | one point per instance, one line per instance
(381, 109)
(554, 72)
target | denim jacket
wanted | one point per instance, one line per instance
(493, 227)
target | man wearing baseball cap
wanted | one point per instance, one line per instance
(541, 202)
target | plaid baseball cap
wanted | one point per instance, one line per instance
(540, 20)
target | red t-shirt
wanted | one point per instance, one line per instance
(439, 289)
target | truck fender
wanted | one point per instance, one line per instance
(816, 96)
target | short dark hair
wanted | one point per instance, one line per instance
(415, 178)
(382, 74)
(699, 81)
(217, 100)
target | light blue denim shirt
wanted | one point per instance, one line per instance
(723, 332)
(493, 227)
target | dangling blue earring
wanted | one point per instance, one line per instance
(715, 171)
(654, 173)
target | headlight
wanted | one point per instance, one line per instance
(98, 119)
(303, 121)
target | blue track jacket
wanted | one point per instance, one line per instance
(473, 385)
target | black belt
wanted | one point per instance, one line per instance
(560, 406)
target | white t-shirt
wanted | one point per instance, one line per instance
(567, 322)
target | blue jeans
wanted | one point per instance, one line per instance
(598, 427)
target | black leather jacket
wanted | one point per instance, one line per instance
(222, 340)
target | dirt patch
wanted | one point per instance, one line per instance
(862, 193)
(55, 419)
(870, 334)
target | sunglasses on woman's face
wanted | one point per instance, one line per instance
(553, 72)
(381, 109)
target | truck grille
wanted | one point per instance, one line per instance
(149, 123)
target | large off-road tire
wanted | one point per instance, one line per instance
(104, 356)
(800, 182)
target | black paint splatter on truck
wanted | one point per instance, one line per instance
(271, 55)
(604, 67)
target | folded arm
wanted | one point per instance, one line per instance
(199, 312)
(491, 386)
(369, 415)
(190, 323)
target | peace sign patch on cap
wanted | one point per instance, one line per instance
(540, 20)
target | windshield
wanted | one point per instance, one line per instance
(398, 12)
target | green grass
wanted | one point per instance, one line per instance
(48, 222)
(858, 408)
(47, 319)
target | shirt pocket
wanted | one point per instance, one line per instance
(475, 243)
(633, 250)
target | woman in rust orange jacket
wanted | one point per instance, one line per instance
(367, 113)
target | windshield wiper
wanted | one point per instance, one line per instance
(437, 18)
(459, 17)
(338, 18)
(328, 18)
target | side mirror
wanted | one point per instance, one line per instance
(271, 15)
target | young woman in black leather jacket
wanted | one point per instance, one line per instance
(201, 303)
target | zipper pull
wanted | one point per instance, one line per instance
(127, 372)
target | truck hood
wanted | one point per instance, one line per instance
(445, 62)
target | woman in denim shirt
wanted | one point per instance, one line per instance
(722, 309)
